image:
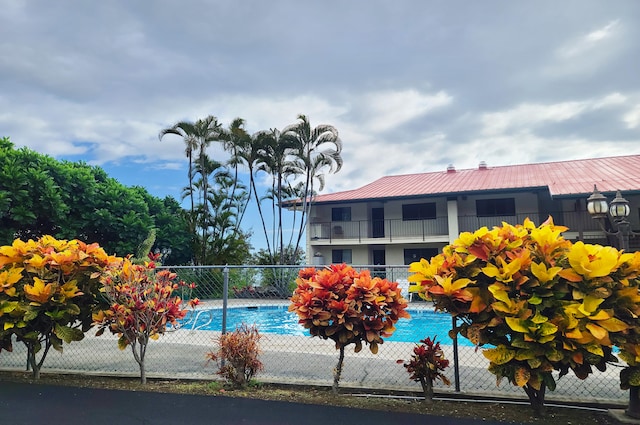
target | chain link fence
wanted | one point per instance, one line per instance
(232, 295)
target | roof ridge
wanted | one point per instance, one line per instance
(490, 167)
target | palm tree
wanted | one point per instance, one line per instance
(208, 208)
(197, 136)
(316, 150)
(243, 152)
(274, 158)
(186, 131)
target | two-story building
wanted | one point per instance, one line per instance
(396, 220)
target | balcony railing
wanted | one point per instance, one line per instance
(390, 230)
(576, 221)
(383, 230)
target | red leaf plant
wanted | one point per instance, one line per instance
(142, 305)
(426, 366)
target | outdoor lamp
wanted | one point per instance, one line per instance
(619, 208)
(597, 204)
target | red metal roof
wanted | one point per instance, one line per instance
(563, 178)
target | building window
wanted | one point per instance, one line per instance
(415, 254)
(425, 211)
(339, 256)
(341, 214)
(495, 207)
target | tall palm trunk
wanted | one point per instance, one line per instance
(252, 182)
(307, 196)
(190, 157)
(280, 229)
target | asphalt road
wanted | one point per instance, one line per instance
(34, 404)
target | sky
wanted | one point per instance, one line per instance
(411, 85)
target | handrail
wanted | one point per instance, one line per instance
(194, 321)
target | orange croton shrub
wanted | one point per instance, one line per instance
(543, 303)
(47, 290)
(348, 307)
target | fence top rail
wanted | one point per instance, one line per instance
(286, 266)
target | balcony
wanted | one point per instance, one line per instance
(379, 231)
(580, 224)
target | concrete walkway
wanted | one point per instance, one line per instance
(33, 404)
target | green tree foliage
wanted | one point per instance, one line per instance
(40, 195)
(171, 228)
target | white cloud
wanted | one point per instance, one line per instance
(368, 157)
(612, 99)
(262, 113)
(589, 41)
(524, 147)
(169, 166)
(589, 54)
(528, 115)
(602, 33)
(390, 109)
(632, 118)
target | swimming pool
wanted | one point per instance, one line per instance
(277, 320)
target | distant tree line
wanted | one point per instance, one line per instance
(40, 195)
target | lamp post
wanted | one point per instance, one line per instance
(619, 211)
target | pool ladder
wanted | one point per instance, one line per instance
(194, 321)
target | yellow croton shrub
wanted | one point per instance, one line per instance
(47, 289)
(540, 302)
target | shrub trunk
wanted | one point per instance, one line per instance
(338, 370)
(427, 389)
(536, 398)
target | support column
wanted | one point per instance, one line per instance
(452, 219)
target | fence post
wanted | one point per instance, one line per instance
(225, 297)
(456, 366)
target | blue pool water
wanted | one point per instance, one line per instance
(277, 320)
